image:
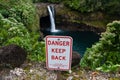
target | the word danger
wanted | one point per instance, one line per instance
(59, 43)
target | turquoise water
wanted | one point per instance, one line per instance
(81, 39)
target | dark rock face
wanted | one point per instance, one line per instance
(12, 55)
(45, 22)
(75, 58)
(70, 20)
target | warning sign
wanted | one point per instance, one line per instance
(58, 52)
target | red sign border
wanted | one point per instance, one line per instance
(71, 41)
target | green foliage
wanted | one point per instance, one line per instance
(109, 68)
(55, 1)
(38, 52)
(1, 17)
(75, 4)
(109, 6)
(35, 49)
(6, 28)
(112, 7)
(21, 41)
(35, 1)
(52, 1)
(24, 12)
(105, 54)
(14, 32)
(85, 5)
(38, 48)
(3, 36)
(17, 20)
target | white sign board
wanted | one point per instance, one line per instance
(58, 52)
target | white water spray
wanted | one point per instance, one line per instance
(52, 14)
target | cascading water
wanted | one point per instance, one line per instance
(52, 15)
(81, 39)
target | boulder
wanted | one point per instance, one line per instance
(75, 58)
(12, 55)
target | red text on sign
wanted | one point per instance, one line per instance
(57, 50)
(58, 43)
(57, 57)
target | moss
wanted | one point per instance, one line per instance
(100, 24)
(95, 19)
(114, 78)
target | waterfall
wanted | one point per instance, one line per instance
(52, 16)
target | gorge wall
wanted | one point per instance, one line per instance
(67, 19)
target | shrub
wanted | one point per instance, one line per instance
(14, 32)
(20, 31)
(24, 12)
(17, 26)
(9, 28)
(106, 52)
(38, 52)
(52, 1)
(22, 42)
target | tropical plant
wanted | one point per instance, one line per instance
(38, 52)
(106, 52)
(24, 12)
(14, 32)
(21, 41)
(17, 20)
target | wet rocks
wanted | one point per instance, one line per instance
(75, 58)
(12, 55)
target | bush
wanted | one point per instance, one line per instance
(35, 49)
(38, 48)
(24, 12)
(108, 6)
(21, 41)
(105, 54)
(20, 31)
(14, 32)
(52, 1)
(5, 24)
(38, 52)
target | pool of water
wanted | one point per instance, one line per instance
(81, 39)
